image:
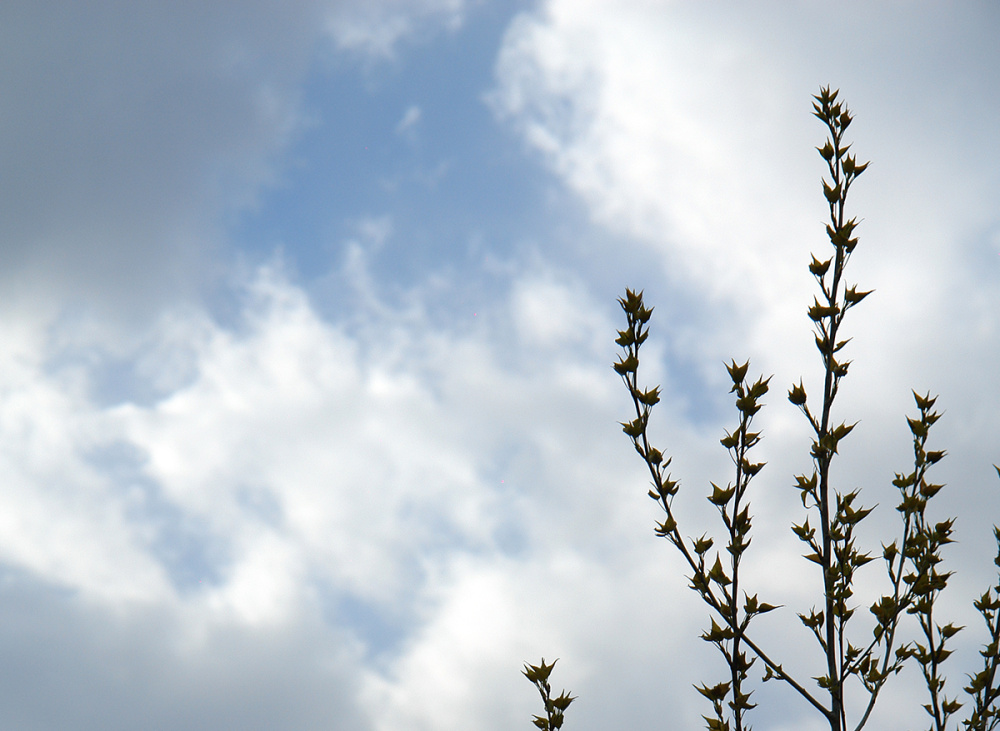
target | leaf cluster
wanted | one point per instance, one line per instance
(555, 708)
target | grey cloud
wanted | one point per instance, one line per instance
(130, 131)
(70, 665)
(127, 127)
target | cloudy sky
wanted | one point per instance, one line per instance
(307, 309)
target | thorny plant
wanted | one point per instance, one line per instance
(912, 561)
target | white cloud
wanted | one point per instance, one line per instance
(696, 139)
(627, 108)
(55, 500)
(410, 118)
(369, 450)
(375, 28)
(463, 486)
(547, 315)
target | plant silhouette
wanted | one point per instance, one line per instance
(863, 660)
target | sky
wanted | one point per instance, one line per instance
(307, 316)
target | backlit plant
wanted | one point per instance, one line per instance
(858, 656)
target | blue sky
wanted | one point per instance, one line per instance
(307, 418)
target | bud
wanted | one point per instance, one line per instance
(819, 268)
(738, 373)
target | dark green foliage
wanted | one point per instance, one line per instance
(915, 578)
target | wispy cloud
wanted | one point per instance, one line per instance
(410, 118)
